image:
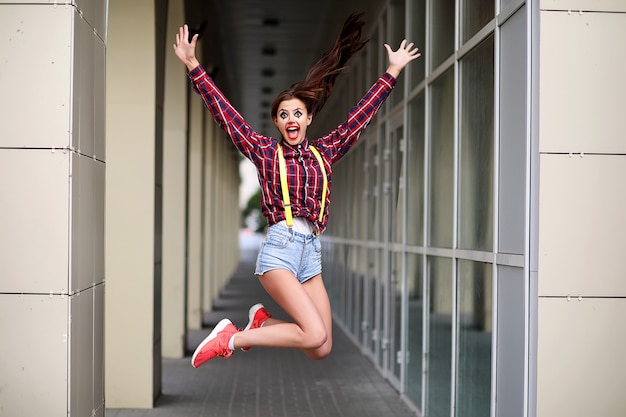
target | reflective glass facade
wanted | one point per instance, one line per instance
(427, 229)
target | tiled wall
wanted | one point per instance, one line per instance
(52, 166)
(582, 291)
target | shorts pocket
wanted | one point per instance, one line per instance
(276, 240)
(317, 245)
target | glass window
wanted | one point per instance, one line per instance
(372, 266)
(476, 14)
(442, 161)
(415, 168)
(354, 318)
(372, 174)
(380, 302)
(511, 321)
(418, 36)
(442, 31)
(359, 294)
(512, 164)
(415, 353)
(350, 205)
(474, 323)
(440, 338)
(373, 55)
(396, 180)
(396, 350)
(360, 199)
(476, 148)
(398, 32)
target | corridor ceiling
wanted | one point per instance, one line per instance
(255, 49)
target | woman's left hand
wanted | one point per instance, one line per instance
(398, 59)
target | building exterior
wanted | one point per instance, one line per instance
(475, 241)
(475, 248)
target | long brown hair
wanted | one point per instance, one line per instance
(319, 82)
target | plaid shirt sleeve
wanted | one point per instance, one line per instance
(338, 142)
(247, 141)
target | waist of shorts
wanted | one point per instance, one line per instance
(292, 234)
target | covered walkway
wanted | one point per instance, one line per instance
(269, 382)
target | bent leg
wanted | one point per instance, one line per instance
(317, 291)
(309, 330)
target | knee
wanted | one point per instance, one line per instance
(316, 339)
(321, 352)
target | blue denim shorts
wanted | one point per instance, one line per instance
(283, 249)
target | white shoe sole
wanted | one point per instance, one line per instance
(220, 326)
(252, 313)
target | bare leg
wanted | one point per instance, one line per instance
(317, 291)
(309, 331)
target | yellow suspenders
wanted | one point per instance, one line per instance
(283, 184)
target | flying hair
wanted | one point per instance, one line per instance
(320, 80)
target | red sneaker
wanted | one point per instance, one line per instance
(215, 344)
(257, 316)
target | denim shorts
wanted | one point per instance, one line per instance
(283, 249)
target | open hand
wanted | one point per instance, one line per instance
(398, 59)
(185, 50)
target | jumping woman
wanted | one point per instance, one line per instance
(295, 176)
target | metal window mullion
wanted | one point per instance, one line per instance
(425, 216)
(532, 208)
(496, 215)
(455, 211)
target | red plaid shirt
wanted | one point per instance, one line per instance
(304, 175)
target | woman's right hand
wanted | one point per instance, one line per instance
(185, 50)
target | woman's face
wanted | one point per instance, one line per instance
(291, 120)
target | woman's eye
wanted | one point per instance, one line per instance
(283, 115)
(298, 113)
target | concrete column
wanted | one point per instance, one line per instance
(194, 210)
(52, 208)
(130, 205)
(174, 191)
(582, 200)
(209, 237)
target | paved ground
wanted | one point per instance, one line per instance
(265, 382)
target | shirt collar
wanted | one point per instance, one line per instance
(304, 144)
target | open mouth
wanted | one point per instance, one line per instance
(293, 132)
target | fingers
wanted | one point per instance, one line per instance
(194, 39)
(183, 35)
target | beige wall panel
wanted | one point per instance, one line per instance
(130, 213)
(87, 244)
(99, 216)
(194, 236)
(582, 225)
(37, 111)
(32, 383)
(83, 224)
(586, 5)
(98, 346)
(583, 88)
(81, 356)
(174, 194)
(34, 220)
(94, 12)
(88, 116)
(99, 68)
(580, 358)
(84, 92)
